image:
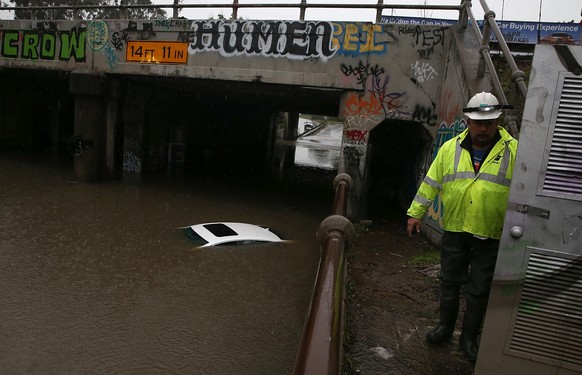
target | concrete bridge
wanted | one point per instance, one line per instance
(131, 95)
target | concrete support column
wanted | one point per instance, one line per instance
(353, 161)
(114, 132)
(89, 88)
(291, 126)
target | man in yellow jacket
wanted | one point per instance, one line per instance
(472, 172)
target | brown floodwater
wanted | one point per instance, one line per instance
(96, 278)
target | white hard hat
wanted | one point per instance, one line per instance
(483, 106)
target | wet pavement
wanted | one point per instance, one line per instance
(392, 304)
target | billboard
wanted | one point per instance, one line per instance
(518, 32)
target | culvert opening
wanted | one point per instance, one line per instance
(397, 149)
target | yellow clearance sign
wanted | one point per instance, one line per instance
(156, 52)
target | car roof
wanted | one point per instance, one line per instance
(217, 233)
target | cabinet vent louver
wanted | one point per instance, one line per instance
(564, 169)
(548, 324)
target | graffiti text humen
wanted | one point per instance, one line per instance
(289, 39)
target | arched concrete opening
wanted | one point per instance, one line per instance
(396, 149)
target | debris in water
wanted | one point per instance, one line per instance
(382, 352)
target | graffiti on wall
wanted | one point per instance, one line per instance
(422, 36)
(362, 71)
(132, 141)
(377, 102)
(355, 155)
(354, 39)
(288, 39)
(423, 71)
(295, 40)
(444, 133)
(426, 115)
(44, 43)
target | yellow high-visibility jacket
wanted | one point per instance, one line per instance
(472, 202)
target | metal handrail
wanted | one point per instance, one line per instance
(235, 6)
(320, 350)
(517, 75)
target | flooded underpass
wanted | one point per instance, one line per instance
(96, 278)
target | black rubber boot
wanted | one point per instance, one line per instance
(449, 308)
(472, 321)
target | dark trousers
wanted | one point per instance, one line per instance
(467, 262)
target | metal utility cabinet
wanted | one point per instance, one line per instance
(533, 323)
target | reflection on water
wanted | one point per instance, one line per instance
(97, 279)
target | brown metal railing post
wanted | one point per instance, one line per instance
(379, 11)
(463, 17)
(320, 350)
(302, 8)
(485, 49)
(234, 9)
(176, 9)
(123, 11)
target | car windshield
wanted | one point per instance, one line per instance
(199, 241)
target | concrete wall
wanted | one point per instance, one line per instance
(400, 72)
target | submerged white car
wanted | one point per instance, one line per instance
(229, 233)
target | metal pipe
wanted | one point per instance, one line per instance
(518, 74)
(486, 58)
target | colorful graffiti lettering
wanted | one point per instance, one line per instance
(391, 102)
(356, 135)
(435, 211)
(112, 58)
(354, 39)
(376, 101)
(357, 103)
(446, 132)
(98, 32)
(44, 44)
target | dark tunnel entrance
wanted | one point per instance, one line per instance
(163, 126)
(396, 150)
(224, 131)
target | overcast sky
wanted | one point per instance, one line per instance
(514, 10)
(511, 10)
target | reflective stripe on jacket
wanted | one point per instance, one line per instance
(472, 202)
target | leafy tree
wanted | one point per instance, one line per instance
(94, 12)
